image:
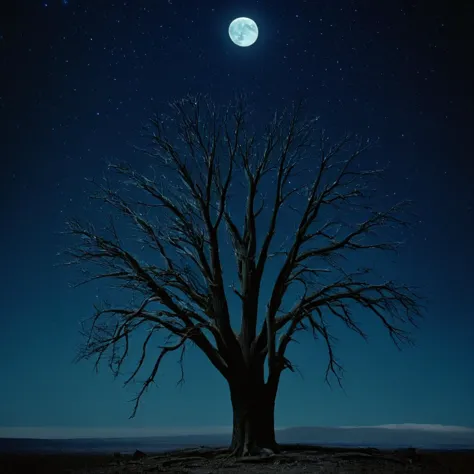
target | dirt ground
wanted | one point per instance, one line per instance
(291, 460)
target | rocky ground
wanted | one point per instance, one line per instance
(292, 460)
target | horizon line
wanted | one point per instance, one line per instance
(61, 432)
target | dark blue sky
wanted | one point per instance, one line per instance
(77, 82)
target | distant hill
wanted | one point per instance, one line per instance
(380, 437)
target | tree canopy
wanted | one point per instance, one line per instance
(184, 223)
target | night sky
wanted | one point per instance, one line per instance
(79, 79)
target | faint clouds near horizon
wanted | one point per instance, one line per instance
(421, 427)
(60, 432)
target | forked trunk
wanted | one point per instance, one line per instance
(253, 408)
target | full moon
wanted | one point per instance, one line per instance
(243, 31)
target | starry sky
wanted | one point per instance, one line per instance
(79, 79)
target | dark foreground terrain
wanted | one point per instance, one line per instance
(292, 460)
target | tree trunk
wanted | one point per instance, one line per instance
(253, 406)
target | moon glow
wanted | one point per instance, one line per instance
(243, 31)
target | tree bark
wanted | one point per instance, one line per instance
(253, 405)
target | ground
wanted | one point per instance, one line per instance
(292, 460)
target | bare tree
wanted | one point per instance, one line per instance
(206, 147)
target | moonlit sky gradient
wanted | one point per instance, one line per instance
(77, 82)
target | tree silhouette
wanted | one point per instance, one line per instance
(206, 147)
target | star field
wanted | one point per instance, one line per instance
(79, 79)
